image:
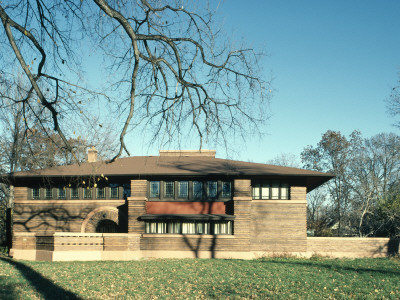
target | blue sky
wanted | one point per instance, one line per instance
(333, 62)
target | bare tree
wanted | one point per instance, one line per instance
(171, 69)
(320, 212)
(393, 103)
(334, 154)
(285, 160)
(387, 216)
(364, 192)
(376, 174)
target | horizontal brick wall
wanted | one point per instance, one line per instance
(352, 247)
(193, 243)
(25, 241)
(278, 227)
(242, 188)
(323, 246)
(20, 193)
(48, 216)
(298, 193)
(77, 242)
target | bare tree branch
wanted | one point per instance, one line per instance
(169, 67)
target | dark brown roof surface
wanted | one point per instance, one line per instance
(178, 165)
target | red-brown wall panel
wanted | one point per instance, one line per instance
(185, 207)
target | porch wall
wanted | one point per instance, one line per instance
(116, 246)
(352, 247)
(63, 246)
(189, 243)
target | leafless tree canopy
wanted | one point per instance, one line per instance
(170, 68)
(363, 198)
(285, 160)
(393, 103)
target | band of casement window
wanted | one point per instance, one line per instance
(215, 224)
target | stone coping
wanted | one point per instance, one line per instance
(77, 234)
(24, 233)
(144, 198)
(242, 198)
(77, 201)
(354, 238)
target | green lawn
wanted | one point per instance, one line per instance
(276, 278)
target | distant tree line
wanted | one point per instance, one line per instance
(363, 199)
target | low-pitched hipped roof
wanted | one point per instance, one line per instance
(176, 166)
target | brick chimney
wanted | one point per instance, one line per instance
(92, 155)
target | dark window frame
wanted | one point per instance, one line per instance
(159, 193)
(113, 187)
(183, 196)
(48, 193)
(86, 194)
(104, 192)
(194, 196)
(35, 197)
(64, 195)
(223, 195)
(270, 184)
(205, 186)
(167, 185)
(209, 182)
(71, 195)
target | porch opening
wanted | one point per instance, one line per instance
(107, 226)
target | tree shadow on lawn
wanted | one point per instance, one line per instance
(333, 266)
(7, 290)
(44, 286)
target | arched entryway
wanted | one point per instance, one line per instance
(107, 226)
(102, 220)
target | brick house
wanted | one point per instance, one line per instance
(177, 204)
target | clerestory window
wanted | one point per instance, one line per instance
(61, 193)
(74, 193)
(154, 189)
(100, 192)
(183, 189)
(270, 190)
(35, 193)
(114, 191)
(169, 189)
(48, 193)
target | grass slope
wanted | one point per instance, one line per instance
(276, 278)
